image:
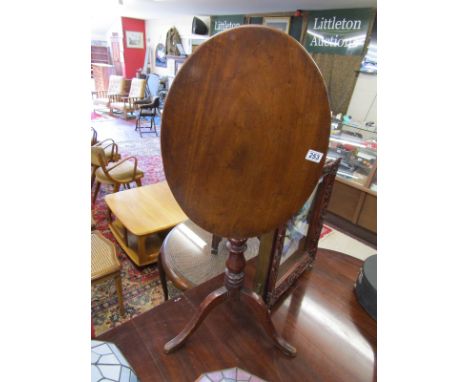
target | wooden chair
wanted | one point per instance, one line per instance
(93, 136)
(105, 264)
(127, 104)
(149, 107)
(115, 90)
(149, 110)
(121, 173)
(111, 153)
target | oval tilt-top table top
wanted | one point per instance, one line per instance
(240, 117)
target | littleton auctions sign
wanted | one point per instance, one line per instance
(222, 23)
(341, 31)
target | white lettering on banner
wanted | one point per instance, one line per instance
(223, 25)
(323, 23)
(336, 41)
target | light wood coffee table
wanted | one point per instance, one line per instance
(140, 213)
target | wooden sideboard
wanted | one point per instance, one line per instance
(101, 74)
(354, 208)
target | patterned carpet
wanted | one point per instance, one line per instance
(99, 116)
(141, 286)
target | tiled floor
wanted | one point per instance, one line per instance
(119, 129)
(340, 242)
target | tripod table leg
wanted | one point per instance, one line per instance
(261, 311)
(211, 301)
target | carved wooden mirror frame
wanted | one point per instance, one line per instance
(272, 284)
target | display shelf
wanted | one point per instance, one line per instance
(100, 54)
(354, 197)
(373, 185)
(357, 148)
(129, 244)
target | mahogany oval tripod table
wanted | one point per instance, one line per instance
(244, 138)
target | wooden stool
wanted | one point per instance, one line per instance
(105, 264)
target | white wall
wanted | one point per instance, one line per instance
(98, 37)
(156, 31)
(363, 104)
(115, 26)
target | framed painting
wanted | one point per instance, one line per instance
(134, 39)
(160, 54)
(280, 23)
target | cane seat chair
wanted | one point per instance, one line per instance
(105, 265)
(115, 90)
(122, 173)
(127, 104)
(188, 257)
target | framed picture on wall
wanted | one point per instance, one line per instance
(161, 60)
(134, 39)
(280, 23)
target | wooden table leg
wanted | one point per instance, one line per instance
(263, 315)
(118, 285)
(215, 244)
(109, 215)
(211, 301)
(162, 277)
(142, 248)
(125, 235)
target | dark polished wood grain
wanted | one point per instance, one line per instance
(239, 119)
(209, 303)
(335, 338)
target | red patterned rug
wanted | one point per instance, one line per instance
(96, 116)
(141, 286)
(102, 115)
(325, 231)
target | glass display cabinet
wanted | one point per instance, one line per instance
(353, 204)
(357, 148)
